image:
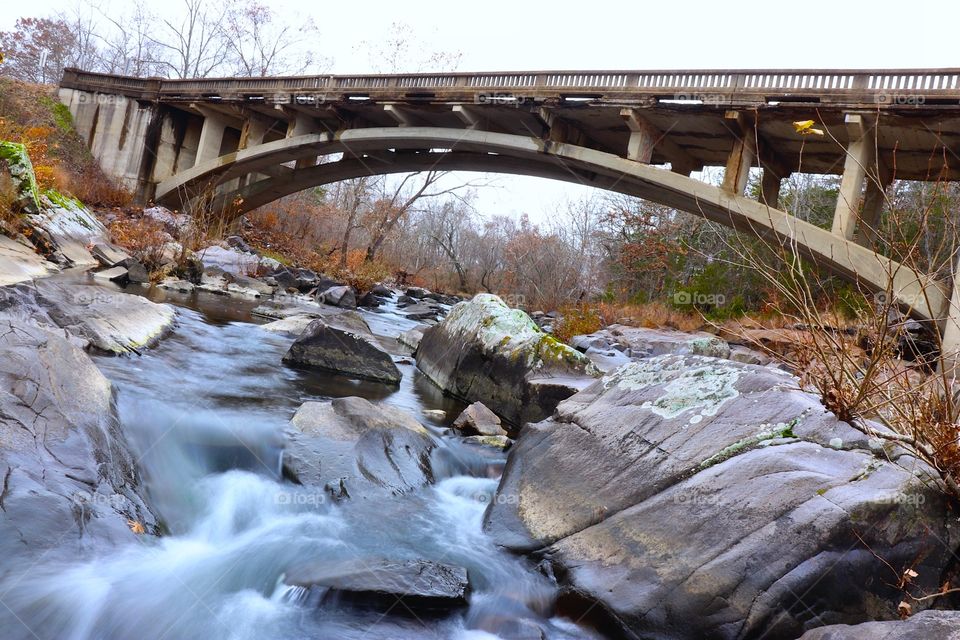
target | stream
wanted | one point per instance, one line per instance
(204, 411)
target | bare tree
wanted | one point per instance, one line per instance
(260, 45)
(197, 45)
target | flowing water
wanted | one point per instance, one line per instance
(205, 411)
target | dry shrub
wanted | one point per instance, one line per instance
(144, 239)
(577, 320)
(360, 273)
(652, 315)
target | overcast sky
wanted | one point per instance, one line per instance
(498, 35)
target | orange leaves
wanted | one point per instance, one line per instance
(136, 527)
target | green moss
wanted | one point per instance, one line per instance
(279, 257)
(64, 202)
(15, 156)
(782, 430)
(60, 113)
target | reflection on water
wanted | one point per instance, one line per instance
(205, 411)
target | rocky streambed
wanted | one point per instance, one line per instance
(190, 464)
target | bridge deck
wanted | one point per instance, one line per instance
(919, 110)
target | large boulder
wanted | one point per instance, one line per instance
(926, 625)
(484, 350)
(343, 344)
(355, 449)
(69, 482)
(339, 296)
(101, 317)
(694, 497)
(478, 420)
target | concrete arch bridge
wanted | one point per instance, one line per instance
(244, 142)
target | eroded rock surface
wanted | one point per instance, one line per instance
(695, 497)
(354, 449)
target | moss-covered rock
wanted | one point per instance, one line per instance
(16, 160)
(485, 351)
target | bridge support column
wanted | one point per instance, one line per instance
(743, 154)
(300, 125)
(211, 137)
(770, 188)
(860, 156)
(646, 138)
(873, 202)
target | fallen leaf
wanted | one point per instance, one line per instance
(904, 609)
(136, 527)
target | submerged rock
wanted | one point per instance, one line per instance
(343, 344)
(421, 584)
(484, 350)
(354, 449)
(694, 497)
(69, 482)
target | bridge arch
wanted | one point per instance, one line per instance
(375, 150)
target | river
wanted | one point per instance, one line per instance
(204, 411)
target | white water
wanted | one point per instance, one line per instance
(204, 411)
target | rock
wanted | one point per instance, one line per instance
(214, 279)
(382, 290)
(173, 223)
(248, 287)
(485, 351)
(698, 498)
(236, 242)
(478, 420)
(355, 449)
(412, 337)
(369, 300)
(497, 442)
(435, 414)
(746, 355)
(107, 319)
(340, 296)
(69, 481)
(292, 326)
(640, 342)
(926, 625)
(422, 312)
(269, 265)
(116, 274)
(108, 255)
(70, 228)
(136, 272)
(176, 284)
(344, 344)
(422, 584)
(19, 263)
(230, 260)
(416, 292)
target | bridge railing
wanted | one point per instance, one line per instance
(845, 83)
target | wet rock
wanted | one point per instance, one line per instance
(422, 312)
(927, 625)
(695, 497)
(291, 326)
(115, 274)
(416, 292)
(136, 272)
(69, 482)
(340, 296)
(230, 260)
(382, 290)
(355, 449)
(412, 337)
(108, 255)
(107, 319)
(478, 420)
(176, 284)
(343, 344)
(497, 442)
(485, 351)
(247, 287)
(369, 300)
(421, 584)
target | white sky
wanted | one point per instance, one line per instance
(498, 35)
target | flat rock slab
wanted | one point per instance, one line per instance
(344, 344)
(19, 263)
(291, 326)
(641, 342)
(417, 583)
(696, 497)
(113, 274)
(927, 625)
